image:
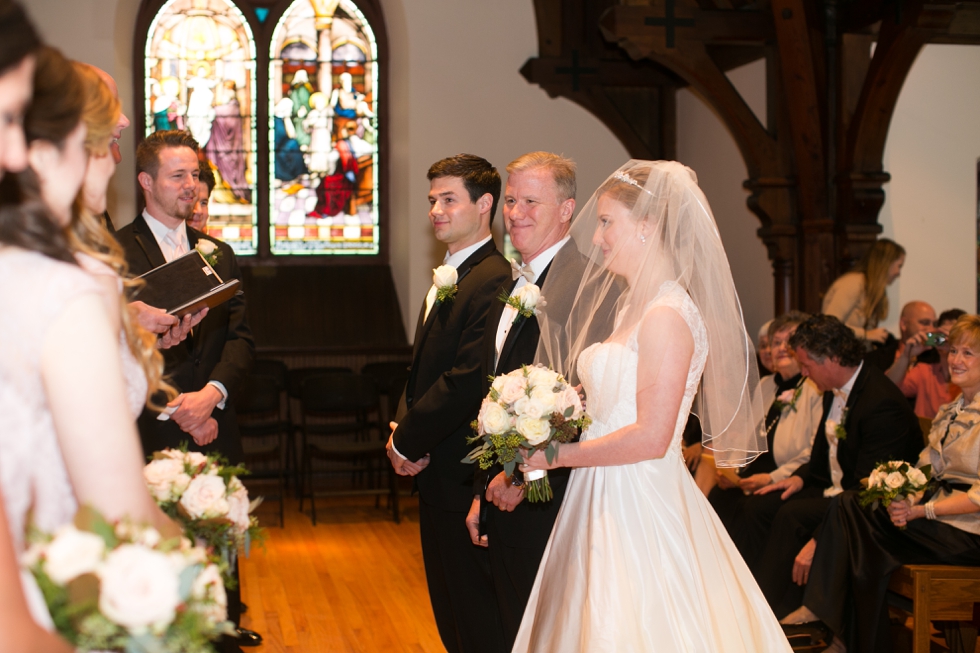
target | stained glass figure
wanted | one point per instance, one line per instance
(200, 76)
(324, 132)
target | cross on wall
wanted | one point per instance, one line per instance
(669, 21)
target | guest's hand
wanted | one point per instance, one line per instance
(876, 335)
(756, 481)
(902, 512)
(788, 486)
(916, 344)
(503, 494)
(803, 562)
(473, 524)
(402, 465)
(692, 456)
(207, 433)
(195, 407)
(539, 461)
(724, 482)
(179, 332)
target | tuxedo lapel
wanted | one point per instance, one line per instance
(146, 241)
(515, 330)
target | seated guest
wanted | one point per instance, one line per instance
(866, 420)
(795, 409)
(926, 379)
(859, 548)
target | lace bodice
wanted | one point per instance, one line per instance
(34, 291)
(608, 371)
(133, 374)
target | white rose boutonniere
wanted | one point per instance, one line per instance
(525, 301)
(836, 429)
(444, 279)
(209, 251)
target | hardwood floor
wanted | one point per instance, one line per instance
(354, 582)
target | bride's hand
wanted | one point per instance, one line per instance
(538, 461)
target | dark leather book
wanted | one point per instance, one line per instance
(185, 285)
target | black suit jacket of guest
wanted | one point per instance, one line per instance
(442, 395)
(529, 523)
(880, 426)
(220, 349)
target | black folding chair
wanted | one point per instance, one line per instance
(264, 433)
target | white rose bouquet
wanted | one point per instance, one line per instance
(203, 493)
(529, 409)
(894, 480)
(120, 587)
(208, 251)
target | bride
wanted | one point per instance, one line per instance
(638, 560)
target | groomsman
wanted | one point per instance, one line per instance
(443, 396)
(866, 420)
(539, 202)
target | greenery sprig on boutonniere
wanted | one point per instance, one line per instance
(444, 279)
(789, 397)
(209, 251)
(837, 429)
(526, 301)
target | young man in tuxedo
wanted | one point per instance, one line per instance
(539, 202)
(443, 396)
(866, 420)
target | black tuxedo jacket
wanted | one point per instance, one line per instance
(443, 393)
(880, 426)
(530, 524)
(220, 349)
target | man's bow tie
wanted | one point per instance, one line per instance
(840, 394)
(521, 270)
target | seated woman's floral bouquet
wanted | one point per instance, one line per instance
(894, 481)
(121, 587)
(530, 409)
(205, 496)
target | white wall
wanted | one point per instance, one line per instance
(705, 145)
(455, 87)
(931, 202)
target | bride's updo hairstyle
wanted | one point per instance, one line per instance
(673, 249)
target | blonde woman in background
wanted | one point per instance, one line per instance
(859, 299)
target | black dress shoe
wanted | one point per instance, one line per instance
(248, 637)
(244, 608)
(811, 633)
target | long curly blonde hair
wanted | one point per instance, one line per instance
(87, 233)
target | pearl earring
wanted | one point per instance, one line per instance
(643, 239)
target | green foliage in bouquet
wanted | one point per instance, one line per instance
(85, 572)
(894, 481)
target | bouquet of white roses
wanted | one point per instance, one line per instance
(893, 481)
(532, 408)
(206, 497)
(121, 587)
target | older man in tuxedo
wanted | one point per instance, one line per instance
(866, 420)
(209, 366)
(443, 396)
(539, 202)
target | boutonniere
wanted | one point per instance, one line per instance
(444, 279)
(525, 301)
(789, 397)
(209, 251)
(837, 429)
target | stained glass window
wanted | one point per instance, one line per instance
(323, 107)
(200, 76)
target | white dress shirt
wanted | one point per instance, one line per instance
(836, 413)
(537, 266)
(174, 244)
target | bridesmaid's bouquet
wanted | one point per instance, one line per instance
(121, 587)
(530, 409)
(205, 495)
(893, 481)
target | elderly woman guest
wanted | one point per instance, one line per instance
(858, 298)
(858, 548)
(795, 407)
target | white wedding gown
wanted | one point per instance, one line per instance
(638, 560)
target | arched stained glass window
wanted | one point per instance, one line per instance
(200, 76)
(323, 107)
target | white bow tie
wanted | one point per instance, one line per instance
(522, 270)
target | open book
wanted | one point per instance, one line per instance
(185, 285)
